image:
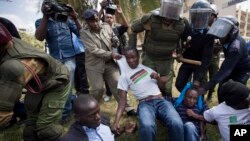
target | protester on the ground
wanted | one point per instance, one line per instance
(143, 83)
(46, 81)
(99, 63)
(198, 46)
(233, 111)
(163, 29)
(90, 124)
(190, 107)
(81, 80)
(236, 65)
(56, 27)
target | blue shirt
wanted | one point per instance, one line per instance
(59, 38)
(78, 44)
(101, 133)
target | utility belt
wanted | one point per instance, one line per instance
(152, 97)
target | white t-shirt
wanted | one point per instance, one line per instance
(123, 65)
(225, 116)
(138, 80)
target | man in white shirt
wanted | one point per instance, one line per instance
(143, 83)
(235, 109)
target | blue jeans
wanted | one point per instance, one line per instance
(164, 111)
(191, 132)
(71, 65)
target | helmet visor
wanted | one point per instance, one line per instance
(199, 18)
(220, 28)
(170, 9)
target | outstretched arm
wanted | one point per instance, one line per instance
(120, 110)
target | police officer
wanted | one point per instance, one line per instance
(199, 45)
(236, 65)
(100, 66)
(164, 28)
(46, 81)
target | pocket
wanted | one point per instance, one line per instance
(56, 104)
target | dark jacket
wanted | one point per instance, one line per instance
(76, 132)
(201, 49)
(236, 63)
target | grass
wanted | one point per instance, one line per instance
(15, 133)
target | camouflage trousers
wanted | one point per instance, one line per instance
(164, 68)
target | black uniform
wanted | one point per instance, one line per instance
(236, 65)
(201, 49)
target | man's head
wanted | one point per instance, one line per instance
(200, 13)
(235, 94)
(87, 111)
(191, 97)
(91, 17)
(132, 57)
(108, 18)
(225, 28)
(5, 39)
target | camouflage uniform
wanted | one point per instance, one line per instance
(47, 90)
(159, 44)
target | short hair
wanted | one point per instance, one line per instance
(131, 48)
(82, 102)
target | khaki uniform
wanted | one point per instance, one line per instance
(159, 43)
(99, 63)
(44, 101)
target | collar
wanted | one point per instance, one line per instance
(87, 129)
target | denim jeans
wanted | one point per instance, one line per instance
(164, 111)
(191, 132)
(71, 65)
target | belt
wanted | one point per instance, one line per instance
(159, 96)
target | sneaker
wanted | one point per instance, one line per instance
(106, 98)
(132, 113)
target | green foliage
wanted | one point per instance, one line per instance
(31, 40)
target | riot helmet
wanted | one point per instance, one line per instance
(171, 9)
(214, 10)
(200, 13)
(224, 26)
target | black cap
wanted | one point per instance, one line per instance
(90, 14)
(234, 92)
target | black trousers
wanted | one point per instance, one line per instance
(81, 81)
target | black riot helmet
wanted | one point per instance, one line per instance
(200, 13)
(225, 26)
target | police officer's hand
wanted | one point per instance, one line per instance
(116, 56)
